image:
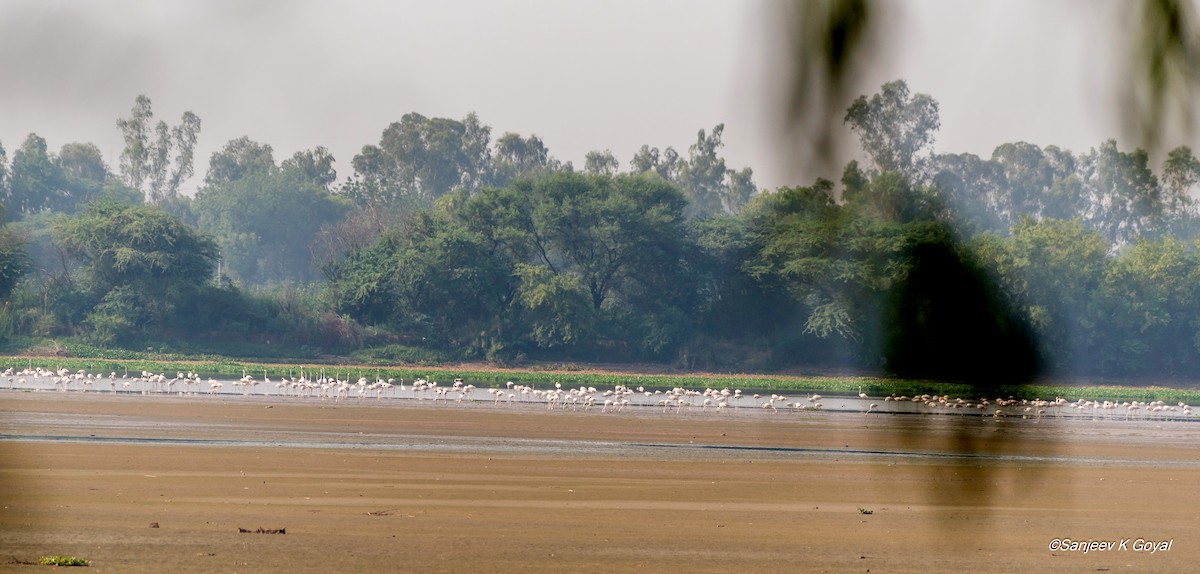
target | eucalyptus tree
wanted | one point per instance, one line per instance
(666, 163)
(972, 187)
(239, 158)
(4, 176)
(147, 163)
(895, 128)
(1124, 198)
(1179, 175)
(710, 187)
(419, 159)
(522, 157)
(313, 166)
(601, 163)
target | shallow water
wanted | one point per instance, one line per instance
(85, 427)
(589, 399)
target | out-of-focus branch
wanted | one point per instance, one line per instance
(831, 43)
(1164, 66)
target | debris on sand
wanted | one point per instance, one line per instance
(263, 531)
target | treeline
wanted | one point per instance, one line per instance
(446, 244)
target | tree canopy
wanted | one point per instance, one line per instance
(919, 262)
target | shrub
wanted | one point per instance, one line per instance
(62, 561)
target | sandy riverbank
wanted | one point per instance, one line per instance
(422, 488)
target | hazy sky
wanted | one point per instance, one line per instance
(581, 74)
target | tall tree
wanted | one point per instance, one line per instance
(477, 153)
(185, 136)
(601, 163)
(146, 161)
(314, 166)
(972, 187)
(3, 171)
(667, 164)
(84, 174)
(36, 183)
(1180, 173)
(135, 158)
(1124, 195)
(420, 159)
(704, 173)
(240, 158)
(711, 187)
(517, 156)
(895, 127)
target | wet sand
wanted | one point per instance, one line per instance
(421, 487)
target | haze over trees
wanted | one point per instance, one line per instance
(444, 243)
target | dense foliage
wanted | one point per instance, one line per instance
(444, 244)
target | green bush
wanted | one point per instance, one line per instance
(62, 561)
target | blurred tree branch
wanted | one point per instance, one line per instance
(831, 43)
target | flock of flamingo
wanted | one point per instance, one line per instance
(615, 400)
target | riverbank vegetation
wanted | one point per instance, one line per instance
(606, 377)
(446, 246)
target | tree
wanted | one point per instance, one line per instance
(4, 176)
(1145, 310)
(83, 161)
(971, 187)
(1180, 173)
(139, 263)
(184, 137)
(522, 157)
(875, 281)
(15, 262)
(738, 318)
(802, 241)
(1125, 200)
(421, 158)
(240, 158)
(313, 166)
(36, 182)
(1029, 178)
(435, 281)
(84, 174)
(1051, 270)
(710, 186)
(601, 163)
(894, 127)
(563, 260)
(477, 153)
(556, 308)
(704, 174)
(135, 157)
(667, 164)
(147, 165)
(267, 222)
